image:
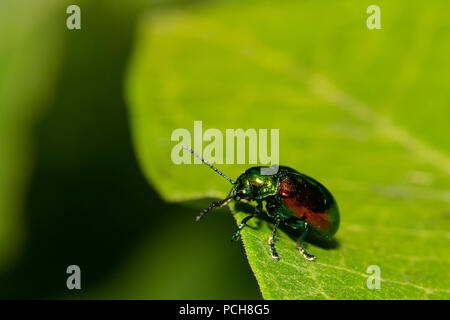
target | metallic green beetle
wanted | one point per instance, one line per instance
(291, 198)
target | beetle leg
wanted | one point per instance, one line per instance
(273, 251)
(237, 234)
(258, 208)
(300, 247)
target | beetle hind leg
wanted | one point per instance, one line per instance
(305, 254)
(300, 247)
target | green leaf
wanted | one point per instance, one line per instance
(353, 107)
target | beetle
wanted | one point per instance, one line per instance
(291, 197)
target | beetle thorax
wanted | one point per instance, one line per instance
(254, 186)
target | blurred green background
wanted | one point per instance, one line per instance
(71, 189)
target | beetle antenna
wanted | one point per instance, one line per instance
(207, 163)
(219, 204)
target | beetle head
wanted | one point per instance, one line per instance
(241, 190)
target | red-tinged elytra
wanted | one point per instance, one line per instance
(292, 198)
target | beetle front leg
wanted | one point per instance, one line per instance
(300, 247)
(273, 251)
(244, 221)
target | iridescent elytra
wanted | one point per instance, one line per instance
(291, 197)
